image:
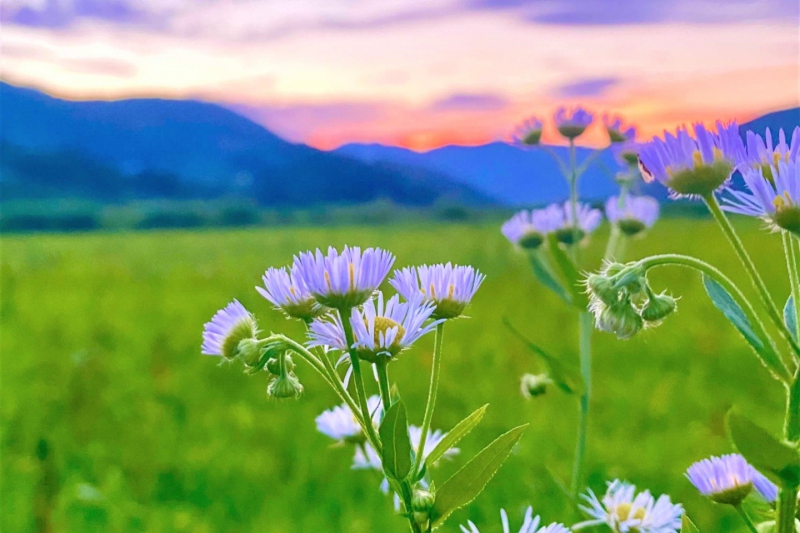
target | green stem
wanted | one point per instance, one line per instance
(585, 328)
(746, 519)
(691, 262)
(794, 280)
(561, 166)
(383, 383)
(573, 200)
(787, 507)
(611, 247)
(358, 379)
(750, 267)
(432, 389)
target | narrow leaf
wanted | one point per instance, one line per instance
(723, 301)
(545, 275)
(467, 483)
(456, 434)
(566, 376)
(687, 526)
(768, 454)
(790, 316)
(569, 273)
(396, 453)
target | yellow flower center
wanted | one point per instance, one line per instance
(623, 512)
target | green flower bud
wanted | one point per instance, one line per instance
(250, 351)
(658, 307)
(603, 288)
(285, 386)
(534, 385)
(421, 505)
(612, 269)
(622, 319)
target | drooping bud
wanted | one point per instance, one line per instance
(603, 288)
(250, 352)
(658, 307)
(532, 386)
(621, 318)
(285, 386)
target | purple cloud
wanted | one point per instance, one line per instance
(585, 87)
(610, 12)
(59, 14)
(469, 102)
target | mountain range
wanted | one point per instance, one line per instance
(116, 151)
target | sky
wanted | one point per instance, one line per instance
(415, 73)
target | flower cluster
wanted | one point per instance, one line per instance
(528, 229)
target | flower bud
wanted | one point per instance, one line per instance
(622, 319)
(421, 505)
(534, 385)
(658, 307)
(612, 269)
(250, 351)
(285, 386)
(603, 288)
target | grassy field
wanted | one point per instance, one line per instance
(112, 420)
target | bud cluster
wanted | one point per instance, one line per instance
(623, 303)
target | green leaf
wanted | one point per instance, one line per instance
(733, 312)
(467, 483)
(768, 454)
(396, 453)
(544, 274)
(790, 316)
(687, 526)
(456, 434)
(566, 376)
(569, 273)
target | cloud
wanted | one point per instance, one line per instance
(469, 102)
(618, 12)
(585, 87)
(61, 14)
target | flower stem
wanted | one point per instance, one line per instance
(585, 349)
(750, 267)
(746, 519)
(794, 281)
(358, 378)
(573, 199)
(778, 366)
(432, 389)
(383, 383)
(787, 507)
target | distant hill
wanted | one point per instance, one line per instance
(788, 120)
(169, 148)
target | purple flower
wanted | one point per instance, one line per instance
(345, 280)
(289, 293)
(692, 166)
(378, 330)
(626, 153)
(448, 287)
(632, 214)
(766, 488)
(572, 123)
(228, 327)
(727, 479)
(776, 200)
(527, 229)
(588, 219)
(761, 152)
(617, 133)
(529, 133)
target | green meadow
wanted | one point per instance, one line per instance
(112, 421)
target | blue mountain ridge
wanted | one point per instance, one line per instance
(517, 176)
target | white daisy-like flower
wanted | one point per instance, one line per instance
(623, 510)
(341, 425)
(530, 524)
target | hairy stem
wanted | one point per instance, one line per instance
(358, 379)
(432, 389)
(585, 328)
(750, 267)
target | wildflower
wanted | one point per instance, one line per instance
(620, 318)
(530, 524)
(692, 166)
(626, 153)
(448, 287)
(632, 214)
(534, 385)
(367, 458)
(284, 386)
(529, 133)
(617, 134)
(766, 488)
(623, 510)
(760, 152)
(727, 479)
(340, 424)
(228, 327)
(288, 292)
(378, 330)
(588, 219)
(343, 280)
(776, 201)
(527, 229)
(571, 124)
